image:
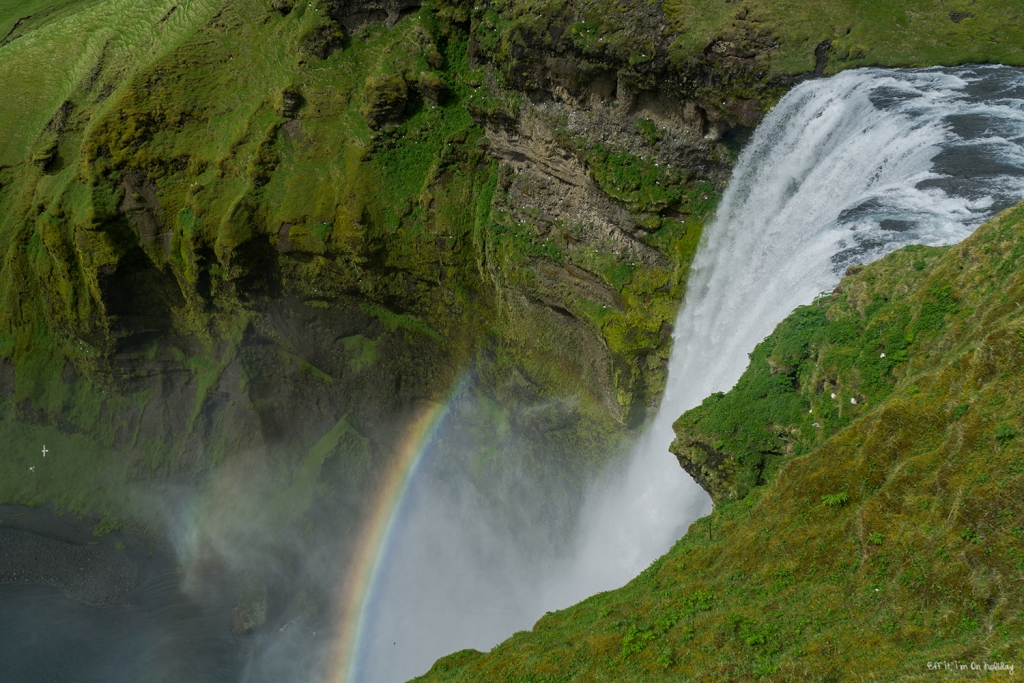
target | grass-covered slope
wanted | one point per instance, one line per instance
(51, 47)
(850, 541)
(854, 33)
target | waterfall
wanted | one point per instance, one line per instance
(842, 171)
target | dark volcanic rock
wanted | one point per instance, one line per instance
(39, 546)
(291, 102)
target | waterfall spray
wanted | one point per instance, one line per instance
(841, 171)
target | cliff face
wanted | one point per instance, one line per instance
(871, 535)
(245, 241)
(241, 227)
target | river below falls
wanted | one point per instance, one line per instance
(160, 636)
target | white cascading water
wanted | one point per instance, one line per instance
(843, 170)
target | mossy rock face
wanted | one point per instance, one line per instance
(211, 245)
(283, 6)
(431, 87)
(386, 96)
(322, 39)
(291, 100)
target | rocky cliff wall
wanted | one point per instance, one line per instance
(286, 217)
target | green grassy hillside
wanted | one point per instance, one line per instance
(850, 541)
(858, 32)
(59, 45)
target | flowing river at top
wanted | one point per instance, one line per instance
(842, 171)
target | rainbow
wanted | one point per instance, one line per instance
(370, 552)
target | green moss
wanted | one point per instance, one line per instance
(105, 526)
(363, 352)
(310, 370)
(329, 442)
(398, 321)
(642, 185)
(386, 96)
(862, 32)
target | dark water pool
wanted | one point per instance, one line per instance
(161, 635)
